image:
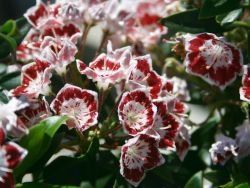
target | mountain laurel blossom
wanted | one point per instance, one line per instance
(212, 58)
(80, 105)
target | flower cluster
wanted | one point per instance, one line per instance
(147, 117)
(150, 106)
(11, 154)
(65, 21)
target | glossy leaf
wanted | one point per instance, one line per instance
(8, 28)
(217, 177)
(213, 8)
(3, 98)
(38, 141)
(195, 181)
(189, 22)
(3, 69)
(230, 17)
(10, 80)
(243, 185)
(205, 133)
(76, 169)
(8, 45)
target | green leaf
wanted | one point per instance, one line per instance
(41, 185)
(205, 156)
(10, 81)
(74, 169)
(244, 170)
(230, 17)
(97, 168)
(246, 3)
(213, 8)
(38, 141)
(243, 185)
(217, 177)
(10, 41)
(229, 122)
(195, 181)
(38, 167)
(189, 22)
(3, 69)
(8, 45)
(205, 133)
(11, 34)
(9, 28)
(23, 27)
(3, 97)
(228, 185)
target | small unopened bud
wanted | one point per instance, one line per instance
(179, 50)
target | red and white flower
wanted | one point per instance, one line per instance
(174, 105)
(147, 34)
(58, 52)
(176, 87)
(72, 11)
(138, 155)
(223, 149)
(179, 108)
(8, 116)
(211, 58)
(42, 16)
(95, 12)
(10, 157)
(107, 69)
(34, 113)
(114, 17)
(29, 49)
(245, 89)
(80, 105)
(35, 79)
(69, 31)
(2, 134)
(166, 125)
(182, 142)
(144, 26)
(136, 112)
(143, 76)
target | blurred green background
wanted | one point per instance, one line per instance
(13, 9)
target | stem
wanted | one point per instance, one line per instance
(102, 97)
(103, 41)
(64, 77)
(108, 146)
(122, 137)
(115, 128)
(241, 24)
(82, 140)
(115, 107)
(87, 27)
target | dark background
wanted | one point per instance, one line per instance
(13, 9)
